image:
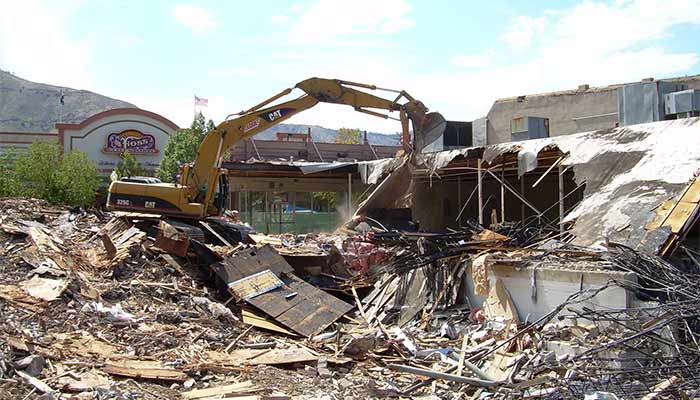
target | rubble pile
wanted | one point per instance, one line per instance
(108, 306)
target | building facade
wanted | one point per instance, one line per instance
(106, 135)
(583, 109)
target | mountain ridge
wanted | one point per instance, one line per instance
(27, 106)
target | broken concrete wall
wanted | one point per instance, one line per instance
(553, 286)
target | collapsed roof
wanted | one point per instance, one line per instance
(640, 187)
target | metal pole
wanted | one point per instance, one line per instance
(522, 193)
(267, 213)
(349, 195)
(503, 201)
(561, 199)
(480, 188)
(294, 210)
(459, 195)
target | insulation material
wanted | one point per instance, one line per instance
(480, 276)
(389, 193)
(44, 288)
(499, 304)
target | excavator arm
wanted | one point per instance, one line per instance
(194, 194)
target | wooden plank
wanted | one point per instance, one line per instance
(250, 318)
(213, 232)
(144, 369)
(265, 239)
(692, 194)
(38, 384)
(679, 216)
(232, 389)
(271, 356)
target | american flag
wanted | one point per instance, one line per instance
(199, 101)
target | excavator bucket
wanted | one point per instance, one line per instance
(432, 128)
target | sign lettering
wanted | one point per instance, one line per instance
(251, 125)
(131, 140)
(277, 114)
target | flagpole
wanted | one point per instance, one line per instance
(60, 108)
(194, 108)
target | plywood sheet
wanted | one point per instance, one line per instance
(299, 306)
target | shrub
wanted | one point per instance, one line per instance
(45, 173)
(127, 166)
(9, 185)
(77, 178)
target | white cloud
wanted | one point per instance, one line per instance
(296, 8)
(523, 30)
(598, 43)
(196, 18)
(483, 60)
(126, 40)
(330, 19)
(279, 19)
(34, 44)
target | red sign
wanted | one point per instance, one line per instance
(131, 140)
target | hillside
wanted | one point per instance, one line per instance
(29, 106)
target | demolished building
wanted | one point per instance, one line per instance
(552, 268)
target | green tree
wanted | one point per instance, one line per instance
(127, 166)
(182, 147)
(47, 174)
(349, 136)
(9, 184)
(38, 172)
(330, 199)
(78, 179)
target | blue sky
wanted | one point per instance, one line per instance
(455, 56)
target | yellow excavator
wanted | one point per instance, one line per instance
(202, 190)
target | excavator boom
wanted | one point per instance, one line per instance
(194, 196)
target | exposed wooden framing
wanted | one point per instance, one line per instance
(556, 163)
(459, 196)
(465, 204)
(480, 194)
(318, 153)
(524, 200)
(503, 198)
(252, 141)
(561, 199)
(374, 152)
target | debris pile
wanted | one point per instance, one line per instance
(115, 306)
